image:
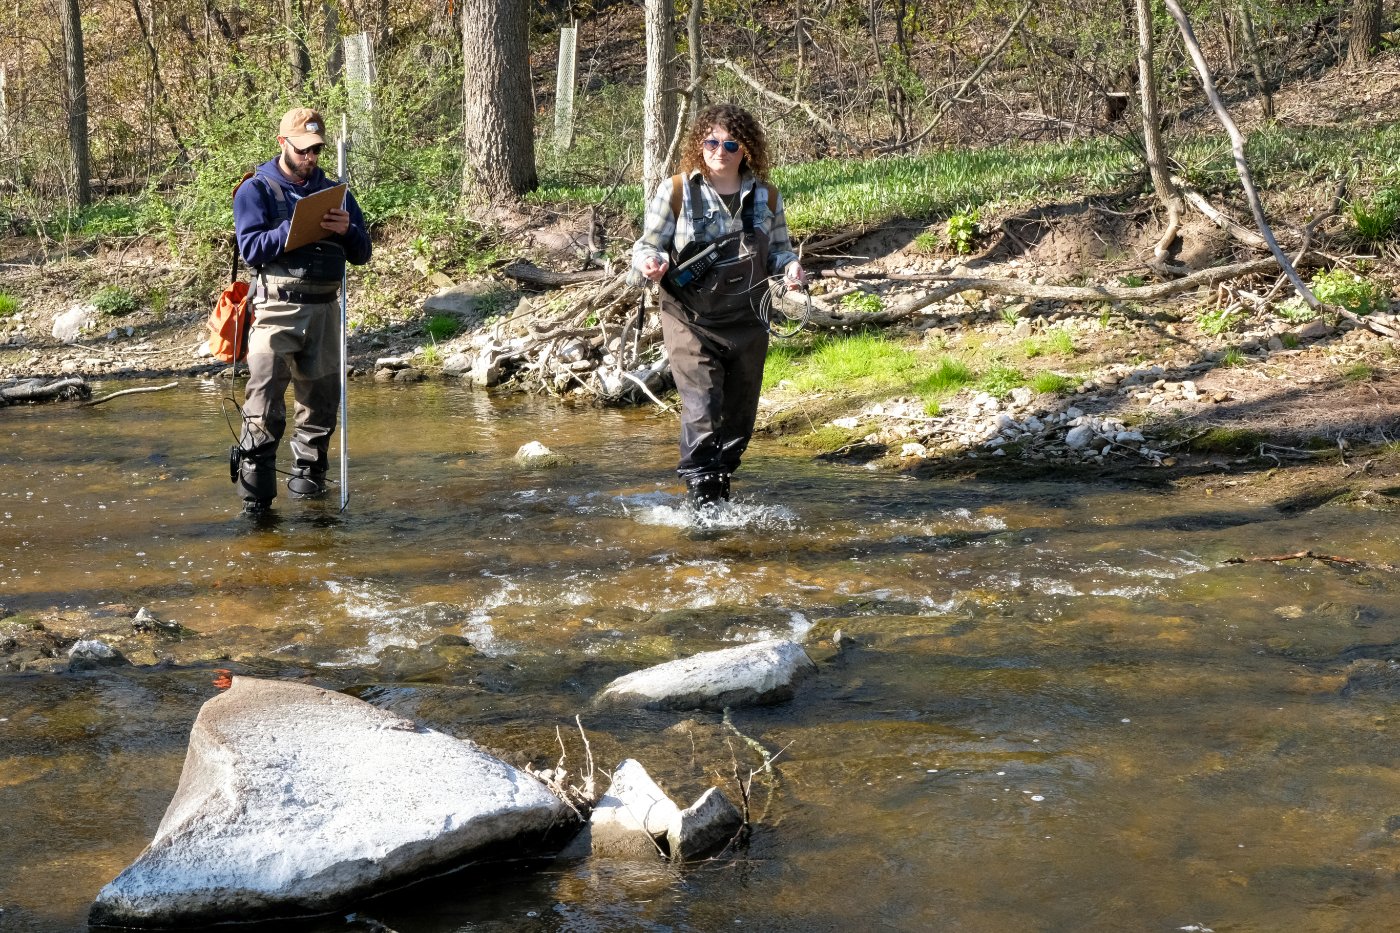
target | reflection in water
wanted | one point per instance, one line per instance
(1058, 709)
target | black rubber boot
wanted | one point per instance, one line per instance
(707, 489)
(305, 483)
(257, 483)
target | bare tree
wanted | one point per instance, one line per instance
(298, 58)
(76, 97)
(498, 114)
(696, 49)
(1154, 150)
(1256, 61)
(1365, 34)
(658, 102)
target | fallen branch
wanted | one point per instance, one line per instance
(35, 390)
(1329, 558)
(1218, 217)
(817, 118)
(108, 398)
(523, 271)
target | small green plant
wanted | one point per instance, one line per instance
(1060, 341)
(932, 407)
(1000, 380)
(441, 327)
(114, 300)
(949, 374)
(432, 355)
(1011, 314)
(1376, 218)
(1358, 372)
(1226, 441)
(1106, 317)
(1218, 321)
(1232, 357)
(962, 229)
(1289, 341)
(1131, 281)
(9, 304)
(1357, 294)
(863, 302)
(1296, 311)
(926, 242)
(1048, 383)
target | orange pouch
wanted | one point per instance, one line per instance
(229, 323)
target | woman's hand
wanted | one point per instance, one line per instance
(653, 268)
(794, 276)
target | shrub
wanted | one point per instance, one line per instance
(863, 302)
(1218, 321)
(962, 229)
(1347, 289)
(114, 300)
(1296, 311)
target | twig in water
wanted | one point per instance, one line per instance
(105, 398)
(1329, 558)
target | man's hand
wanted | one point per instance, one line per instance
(654, 269)
(336, 221)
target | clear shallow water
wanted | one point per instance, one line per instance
(1061, 712)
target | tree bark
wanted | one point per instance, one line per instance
(1256, 62)
(1154, 150)
(658, 105)
(76, 98)
(498, 118)
(697, 54)
(1365, 35)
(298, 59)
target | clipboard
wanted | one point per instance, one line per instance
(307, 215)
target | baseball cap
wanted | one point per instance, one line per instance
(302, 127)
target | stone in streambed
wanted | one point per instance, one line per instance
(747, 675)
(296, 800)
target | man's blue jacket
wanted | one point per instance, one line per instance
(261, 227)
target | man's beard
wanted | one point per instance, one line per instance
(300, 172)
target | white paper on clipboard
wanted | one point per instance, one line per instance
(307, 215)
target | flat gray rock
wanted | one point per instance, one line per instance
(705, 825)
(296, 800)
(746, 675)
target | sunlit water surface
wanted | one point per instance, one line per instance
(1061, 710)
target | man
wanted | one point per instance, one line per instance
(296, 329)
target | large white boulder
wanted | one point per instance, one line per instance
(296, 800)
(746, 675)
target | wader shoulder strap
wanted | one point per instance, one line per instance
(676, 182)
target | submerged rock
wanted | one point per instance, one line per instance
(746, 675)
(296, 800)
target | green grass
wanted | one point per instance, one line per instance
(862, 302)
(926, 242)
(1376, 218)
(1000, 379)
(1227, 441)
(861, 363)
(9, 304)
(1358, 372)
(1232, 357)
(1048, 383)
(1057, 341)
(442, 326)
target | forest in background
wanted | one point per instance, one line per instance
(179, 97)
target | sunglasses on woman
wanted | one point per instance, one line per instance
(730, 145)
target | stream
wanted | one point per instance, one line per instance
(1059, 709)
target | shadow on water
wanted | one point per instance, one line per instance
(1056, 709)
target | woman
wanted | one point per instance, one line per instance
(714, 338)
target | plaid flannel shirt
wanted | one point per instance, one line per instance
(662, 230)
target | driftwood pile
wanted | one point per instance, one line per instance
(598, 339)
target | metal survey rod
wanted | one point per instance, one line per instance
(340, 170)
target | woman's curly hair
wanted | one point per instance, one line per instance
(741, 125)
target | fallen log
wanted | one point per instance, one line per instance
(523, 271)
(36, 390)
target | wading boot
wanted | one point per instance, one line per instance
(708, 489)
(305, 483)
(257, 482)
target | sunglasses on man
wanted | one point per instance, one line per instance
(309, 150)
(730, 145)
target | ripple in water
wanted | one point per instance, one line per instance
(670, 511)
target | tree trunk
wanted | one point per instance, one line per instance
(1154, 150)
(76, 97)
(1365, 35)
(1256, 62)
(498, 118)
(335, 54)
(697, 58)
(298, 59)
(658, 102)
